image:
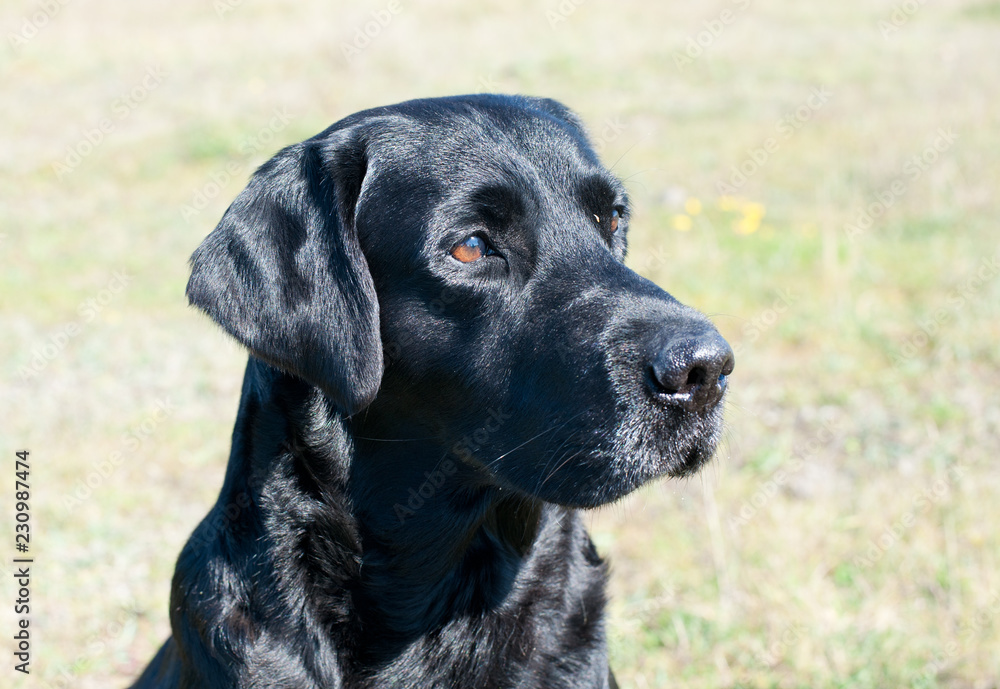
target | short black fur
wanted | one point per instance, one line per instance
(416, 434)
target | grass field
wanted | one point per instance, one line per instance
(821, 178)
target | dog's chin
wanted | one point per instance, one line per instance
(641, 451)
(677, 450)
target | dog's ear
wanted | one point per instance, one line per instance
(284, 274)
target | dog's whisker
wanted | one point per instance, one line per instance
(627, 151)
(492, 462)
(553, 457)
(394, 440)
(569, 456)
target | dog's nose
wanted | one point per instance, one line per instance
(691, 371)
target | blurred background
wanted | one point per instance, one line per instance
(821, 178)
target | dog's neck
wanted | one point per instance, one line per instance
(404, 531)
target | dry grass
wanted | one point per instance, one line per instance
(844, 421)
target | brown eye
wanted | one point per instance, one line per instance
(471, 249)
(615, 215)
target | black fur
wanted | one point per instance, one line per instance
(416, 433)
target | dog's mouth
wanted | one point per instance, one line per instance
(591, 462)
(675, 439)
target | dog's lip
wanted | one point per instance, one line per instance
(680, 398)
(685, 396)
(691, 464)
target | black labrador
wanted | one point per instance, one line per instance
(448, 358)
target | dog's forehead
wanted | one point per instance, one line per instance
(482, 140)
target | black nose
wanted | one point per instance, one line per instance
(691, 371)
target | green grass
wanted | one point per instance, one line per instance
(755, 574)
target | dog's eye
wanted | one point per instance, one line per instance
(613, 224)
(471, 249)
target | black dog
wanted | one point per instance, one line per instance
(448, 358)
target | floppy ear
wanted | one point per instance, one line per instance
(283, 272)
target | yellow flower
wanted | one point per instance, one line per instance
(747, 224)
(754, 210)
(727, 203)
(682, 222)
(692, 206)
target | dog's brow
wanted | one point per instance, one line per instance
(599, 191)
(498, 200)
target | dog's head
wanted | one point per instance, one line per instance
(456, 265)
